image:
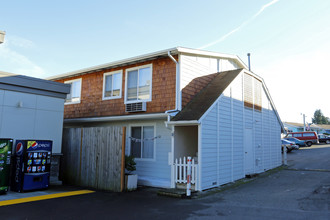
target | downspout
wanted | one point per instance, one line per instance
(173, 112)
(170, 113)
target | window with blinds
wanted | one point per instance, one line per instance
(252, 92)
(248, 91)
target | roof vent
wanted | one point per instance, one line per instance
(136, 107)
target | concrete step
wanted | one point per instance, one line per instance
(176, 193)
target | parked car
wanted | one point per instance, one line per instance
(298, 142)
(310, 137)
(289, 145)
(324, 138)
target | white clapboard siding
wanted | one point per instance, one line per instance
(223, 158)
(154, 172)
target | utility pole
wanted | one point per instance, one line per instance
(249, 61)
(304, 121)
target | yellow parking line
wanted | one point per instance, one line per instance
(38, 198)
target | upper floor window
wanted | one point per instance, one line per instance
(75, 91)
(138, 84)
(112, 83)
(252, 92)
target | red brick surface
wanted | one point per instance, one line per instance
(92, 105)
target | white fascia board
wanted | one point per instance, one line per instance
(183, 123)
(212, 54)
(174, 50)
(115, 63)
(117, 118)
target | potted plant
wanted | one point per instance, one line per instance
(130, 178)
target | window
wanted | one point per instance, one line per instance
(308, 135)
(112, 82)
(252, 92)
(142, 142)
(138, 84)
(297, 135)
(75, 92)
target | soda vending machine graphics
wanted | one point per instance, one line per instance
(31, 165)
(5, 154)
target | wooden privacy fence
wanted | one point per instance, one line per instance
(92, 157)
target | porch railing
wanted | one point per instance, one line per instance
(180, 171)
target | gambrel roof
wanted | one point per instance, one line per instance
(203, 101)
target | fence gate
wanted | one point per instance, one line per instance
(180, 171)
(92, 157)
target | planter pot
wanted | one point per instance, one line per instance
(131, 182)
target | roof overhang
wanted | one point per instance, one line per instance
(123, 62)
(183, 123)
(147, 57)
(26, 84)
(116, 118)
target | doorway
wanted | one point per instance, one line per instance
(248, 151)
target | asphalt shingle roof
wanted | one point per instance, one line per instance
(195, 109)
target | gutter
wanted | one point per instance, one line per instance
(183, 123)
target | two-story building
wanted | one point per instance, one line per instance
(181, 102)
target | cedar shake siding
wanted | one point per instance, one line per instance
(92, 105)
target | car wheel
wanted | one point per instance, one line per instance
(309, 143)
(327, 141)
(288, 150)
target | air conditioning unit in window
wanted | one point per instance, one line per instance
(136, 107)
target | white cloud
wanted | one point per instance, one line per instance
(21, 42)
(22, 64)
(239, 27)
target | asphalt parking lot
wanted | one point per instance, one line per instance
(299, 191)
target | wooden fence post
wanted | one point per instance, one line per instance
(122, 177)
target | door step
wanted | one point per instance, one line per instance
(176, 193)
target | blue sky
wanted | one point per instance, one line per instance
(289, 40)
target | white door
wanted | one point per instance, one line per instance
(248, 151)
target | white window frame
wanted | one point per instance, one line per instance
(126, 81)
(70, 82)
(155, 141)
(121, 84)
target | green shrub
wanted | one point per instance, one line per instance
(130, 164)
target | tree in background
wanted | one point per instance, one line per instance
(319, 118)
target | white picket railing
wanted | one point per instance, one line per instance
(180, 171)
